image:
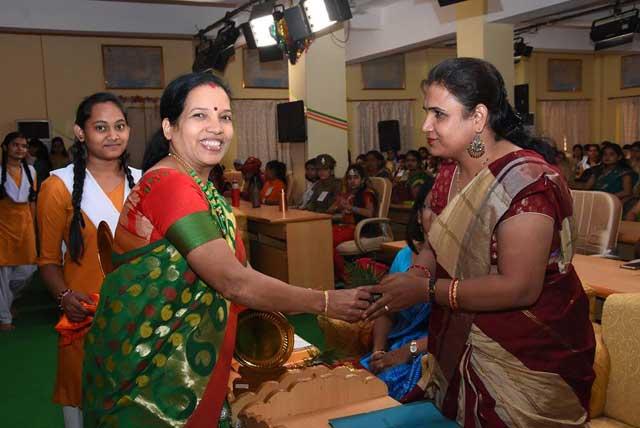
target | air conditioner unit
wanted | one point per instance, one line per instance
(615, 30)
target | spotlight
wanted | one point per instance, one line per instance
(520, 49)
(216, 54)
(617, 29)
(296, 22)
(324, 13)
(262, 24)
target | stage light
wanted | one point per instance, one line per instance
(520, 49)
(617, 29)
(216, 53)
(324, 13)
(296, 22)
(262, 24)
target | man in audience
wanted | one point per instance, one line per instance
(326, 188)
(310, 177)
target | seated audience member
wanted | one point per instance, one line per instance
(406, 186)
(41, 162)
(614, 174)
(634, 159)
(275, 174)
(432, 165)
(251, 176)
(400, 339)
(375, 165)
(219, 181)
(362, 160)
(59, 155)
(577, 160)
(326, 188)
(593, 158)
(424, 154)
(356, 202)
(391, 160)
(310, 177)
(238, 164)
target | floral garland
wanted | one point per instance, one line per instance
(293, 49)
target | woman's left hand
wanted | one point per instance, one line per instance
(399, 291)
(383, 360)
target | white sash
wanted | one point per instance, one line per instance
(95, 203)
(19, 195)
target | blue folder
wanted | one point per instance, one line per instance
(422, 414)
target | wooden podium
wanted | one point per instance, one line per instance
(309, 397)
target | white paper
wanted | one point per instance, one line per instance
(268, 192)
(300, 343)
(322, 196)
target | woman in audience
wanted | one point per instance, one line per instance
(159, 352)
(275, 173)
(362, 160)
(41, 163)
(326, 188)
(59, 155)
(577, 160)
(375, 165)
(391, 161)
(252, 177)
(400, 339)
(407, 185)
(614, 174)
(218, 179)
(72, 203)
(356, 202)
(510, 341)
(17, 232)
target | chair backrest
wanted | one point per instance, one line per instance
(382, 186)
(597, 217)
(620, 325)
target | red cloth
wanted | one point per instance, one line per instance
(69, 330)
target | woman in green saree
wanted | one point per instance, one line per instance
(159, 350)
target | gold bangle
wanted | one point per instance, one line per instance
(326, 303)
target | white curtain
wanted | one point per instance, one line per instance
(630, 115)
(566, 119)
(255, 125)
(143, 115)
(372, 112)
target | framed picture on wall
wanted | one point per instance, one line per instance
(132, 67)
(630, 71)
(267, 75)
(384, 73)
(564, 75)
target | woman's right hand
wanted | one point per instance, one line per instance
(348, 305)
(72, 306)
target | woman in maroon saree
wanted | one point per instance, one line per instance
(510, 341)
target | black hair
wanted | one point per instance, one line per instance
(618, 150)
(626, 147)
(414, 229)
(171, 107)
(415, 154)
(310, 162)
(361, 157)
(635, 145)
(376, 154)
(41, 150)
(79, 154)
(11, 136)
(364, 185)
(279, 170)
(474, 81)
(578, 146)
(61, 141)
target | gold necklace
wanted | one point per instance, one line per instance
(458, 189)
(183, 163)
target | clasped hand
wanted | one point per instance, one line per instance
(397, 292)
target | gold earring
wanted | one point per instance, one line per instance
(476, 148)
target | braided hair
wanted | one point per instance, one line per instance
(79, 154)
(8, 139)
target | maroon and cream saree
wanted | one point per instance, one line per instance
(530, 367)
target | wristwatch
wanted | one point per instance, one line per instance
(413, 348)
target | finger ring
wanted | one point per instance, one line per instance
(386, 308)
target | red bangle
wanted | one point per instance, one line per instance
(424, 270)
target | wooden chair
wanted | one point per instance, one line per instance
(362, 245)
(597, 217)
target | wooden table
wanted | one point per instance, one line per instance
(295, 246)
(604, 276)
(399, 216)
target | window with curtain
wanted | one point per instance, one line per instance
(255, 125)
(143, 115)
(372, 112)
(566, 119)
(630, 115)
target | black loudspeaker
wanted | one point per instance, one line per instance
(389, 135)
(292, 126)
(448, 2)
(521, 101)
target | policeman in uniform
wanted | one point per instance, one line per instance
(326, 188)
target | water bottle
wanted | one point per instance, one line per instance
(255, 193)
(235, 194)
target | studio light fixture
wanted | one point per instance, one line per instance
(216, 53)
(520, 49)
(262, 24)
(615, 30)
(324, 13)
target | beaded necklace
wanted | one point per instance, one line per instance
(220, 209)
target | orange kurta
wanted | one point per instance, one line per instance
(17, 232)
(54, 219)
(271, 191)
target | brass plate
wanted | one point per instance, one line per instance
(264, 340)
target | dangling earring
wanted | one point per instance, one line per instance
(476, 148)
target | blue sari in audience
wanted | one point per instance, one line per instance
(409, 324)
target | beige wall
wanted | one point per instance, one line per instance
(46, 76)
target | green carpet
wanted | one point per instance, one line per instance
(28, 356)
